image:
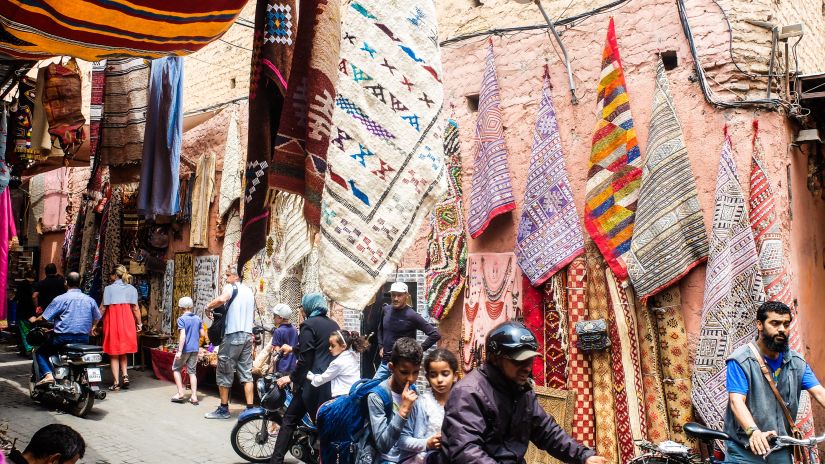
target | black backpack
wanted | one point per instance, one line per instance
(218, 328)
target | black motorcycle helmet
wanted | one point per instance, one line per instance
(513, 340)
(37, 336)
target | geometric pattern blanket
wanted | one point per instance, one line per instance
(776, 277)
(615, 165)
(549, 232)
(669, 237)
(386, 169)
(446, 263)
(491, 193)
(733, 291)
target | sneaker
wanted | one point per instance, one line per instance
(219, 413)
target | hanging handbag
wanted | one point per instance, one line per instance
(800, 453)
(218, 328)
(592, 335)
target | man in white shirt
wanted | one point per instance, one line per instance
(235, 353)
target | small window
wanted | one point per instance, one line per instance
(477, 2)
(472, 102)
(232, 83)
(670, 59)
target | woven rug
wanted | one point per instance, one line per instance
(491, 193)
(654, 396)
(532, 309)
(675, 361)
(605, 392)
(168, 297)
(615, 165)
(579, 378)
(669, 237)
(231, 174)
(446, 262)
(202, 195)
(776, 277)
(554, 331)
(184, 281)
(95, 121)
(125, 102)
(205, 285)
(292, 232)
(386, 169)
(231, 244)
(300, 160)
(733, 292)
(549, 232)
(110, 252)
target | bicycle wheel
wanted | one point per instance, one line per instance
(254, 438)
(657, 460)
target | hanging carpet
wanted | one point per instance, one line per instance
(202, 195)
(231, 174)
(767, 234)
(300, 160)
(231, 245)
(669, 237)
(184, 282)
(491, 193)
(549, 233)
(125, 102)
(554, 331)
(446, 263)
(579, 378)
(386, 169)
(167, 297)
(110, 237)
(654, 397)
(95, 122)
(615, 165)
(532, 308)
(206, 271)
(97, 29)
(733, 291)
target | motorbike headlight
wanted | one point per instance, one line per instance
(92, 358)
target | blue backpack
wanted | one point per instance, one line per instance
(344, 425)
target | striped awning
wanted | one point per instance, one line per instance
(97, 29)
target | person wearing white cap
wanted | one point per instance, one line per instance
(284, 338)
(399, 320)
(191, 331)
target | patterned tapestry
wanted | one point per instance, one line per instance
(96, 121)
(776, 276)
(110, 236)
(532, 308)
(205, 284)
(669, 237)
(294, 240)
(554, 331)
(491, 193)
(231, 244)
(168, 304)
(386, 164)
(492, 296)
(675, 361)
(579, 378)
(733, 292)
(615, 165)
(654, 397)
(231, 175)
(203, 193)
(549, 232)
(273, 47)
(37, 29)
(184, 281)
(300, 160)
(446, 262)
(125, 99)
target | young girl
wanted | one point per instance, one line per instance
(423, 434)
(345, 369)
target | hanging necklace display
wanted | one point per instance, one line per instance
(495, 295)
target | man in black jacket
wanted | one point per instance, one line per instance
(492, 414)
(313, 355)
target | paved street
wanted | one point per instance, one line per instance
(139, 425)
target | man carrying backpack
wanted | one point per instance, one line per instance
(493, 414)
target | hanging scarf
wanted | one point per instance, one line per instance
(491, 193)
(7, 233)
(446, 263)
(580, 377)
(614, 170)
(549, 234)
(669, 237)
(733, 291)
(5, 169)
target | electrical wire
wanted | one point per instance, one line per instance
(235, 45)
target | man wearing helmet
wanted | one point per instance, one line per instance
(492, 414)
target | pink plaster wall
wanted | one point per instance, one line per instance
(643, 29)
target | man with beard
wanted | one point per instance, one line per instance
(754, 414)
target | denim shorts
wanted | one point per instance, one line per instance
(234, 355)
(190, 360)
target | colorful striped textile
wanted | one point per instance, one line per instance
(615, 165)
(669, 237)
(446, 263)
(554, 332)
(733, 292)
(606, 393)
(579, 377)
(125, 103)
(386, 158)
(98, 29)
(654, 397)
(95, 122)
(767, 234)
(300, 160)
(491, 193)
(549, 233)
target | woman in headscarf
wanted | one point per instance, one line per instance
(313, 355)
(121, 323)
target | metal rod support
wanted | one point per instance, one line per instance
(570, 82)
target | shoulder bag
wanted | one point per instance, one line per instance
(800, 454)
(592, 335)
(218, 328)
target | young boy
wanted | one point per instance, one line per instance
(191, 331)
(285, 339)
(404, 366)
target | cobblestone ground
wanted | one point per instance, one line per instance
(139, 425)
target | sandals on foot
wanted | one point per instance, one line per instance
(125, 382)
(114, 387)
(194, 403)
(177, 399)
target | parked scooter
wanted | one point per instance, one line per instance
(254, 436)
(77, 376)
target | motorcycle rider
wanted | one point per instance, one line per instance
(74, 313)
